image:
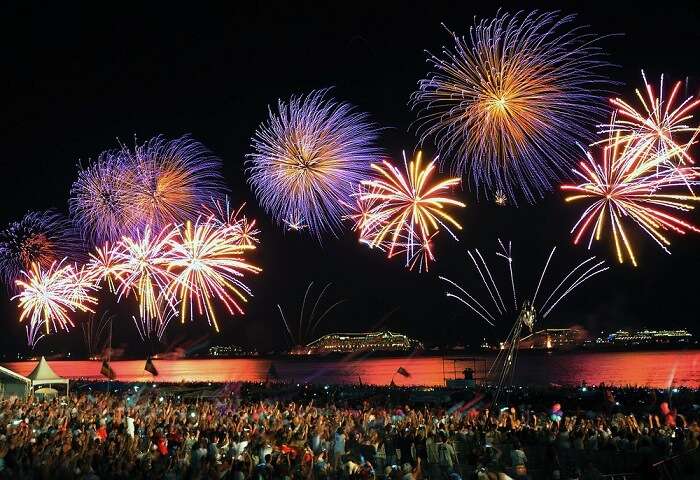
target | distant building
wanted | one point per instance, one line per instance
(646, 337)
(553, 339)
(229, 351)
(356, 342)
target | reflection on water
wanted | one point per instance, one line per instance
(658, 369)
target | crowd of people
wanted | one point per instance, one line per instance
(264, 432)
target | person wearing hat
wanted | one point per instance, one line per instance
(410, 473)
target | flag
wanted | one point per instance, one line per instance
(150, 367)
(403, 372)
(107, 371)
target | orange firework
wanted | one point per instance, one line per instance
(103, 265)
(662, 129)
(628, 185)
(242, 229)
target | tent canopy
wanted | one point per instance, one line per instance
(12, 383)
(14, 375)
(43, 374)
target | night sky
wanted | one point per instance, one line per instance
(76, 79)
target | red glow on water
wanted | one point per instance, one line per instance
(657, 369)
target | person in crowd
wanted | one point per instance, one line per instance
(315, 433)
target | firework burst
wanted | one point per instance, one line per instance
(172, 180)
(207, 263)
(409, 208)
(662, 128)
(39, 237)
(142, 268)
(510, 101)
(101, 199)
(242, 229)
(49, 296)
(307, 157)
(627, 184)
(104, 266)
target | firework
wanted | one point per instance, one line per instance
(307, 157)
(95, 332)
(104, 265)
(295, 222)
(500, 198)
(48, 296)
(208, 263)
(142, 268)
(628, 185)
(662, 128)
(362, 211)
(524, 312)
(153, 329)
(410, 208)
(242, 229)
(510, 101)
(172, 180)
(305, 329)
(102, 200)
(39, 237)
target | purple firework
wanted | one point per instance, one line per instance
(509, 102)
(102, 199)
(157, 183)
(307, 157)
(39, 237)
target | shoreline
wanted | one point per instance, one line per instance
(653, 369)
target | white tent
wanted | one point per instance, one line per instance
(12, 383)
(43, 374)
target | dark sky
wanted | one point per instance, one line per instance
(77, 78)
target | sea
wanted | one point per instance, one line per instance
(659, 369)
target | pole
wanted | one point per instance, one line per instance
(109, 355)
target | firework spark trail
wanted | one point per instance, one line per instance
(510, 101)
(154, 328)
(307, 325)
(306, 158)
(34, 333)
(491, 320)
(544, 270)
(490, 285)
(94, 332)
(486, 284)
(508, 256)
(591, 272)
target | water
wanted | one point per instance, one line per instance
(656, 369)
